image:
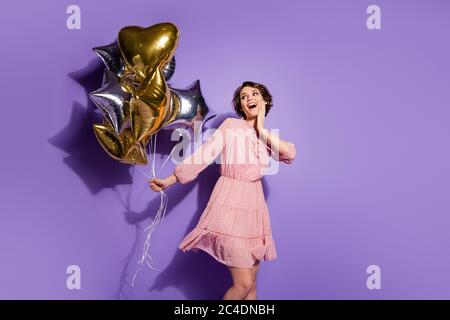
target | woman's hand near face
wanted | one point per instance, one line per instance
(157, 185)
(260, 119)
(276, 145)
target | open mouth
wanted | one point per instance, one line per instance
(252, 105)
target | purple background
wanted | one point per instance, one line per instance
(367, 110)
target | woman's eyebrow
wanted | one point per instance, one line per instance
(251, 92)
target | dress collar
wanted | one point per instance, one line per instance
(248, 124)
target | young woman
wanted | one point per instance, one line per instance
(235, 226)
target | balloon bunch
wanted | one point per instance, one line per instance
(135, 99)
(136, 102)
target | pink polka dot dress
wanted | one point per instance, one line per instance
(234, 228)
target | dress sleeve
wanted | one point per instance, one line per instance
(288, 156)
(191, 166)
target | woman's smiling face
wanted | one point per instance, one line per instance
(251, 101)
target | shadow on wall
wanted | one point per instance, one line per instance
(196, 275)
(85, 156)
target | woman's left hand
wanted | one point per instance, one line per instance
(260, 118)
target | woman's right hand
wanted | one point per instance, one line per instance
(157, 185)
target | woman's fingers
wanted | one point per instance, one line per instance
(152, 184)
(156, 185)
(153, 181)
(156, 188)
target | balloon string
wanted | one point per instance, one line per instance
(165, 161)
(154, 153)
(146, 257)
(159, 217)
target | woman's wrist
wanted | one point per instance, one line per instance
(173, 179)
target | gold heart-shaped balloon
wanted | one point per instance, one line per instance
(145, 49)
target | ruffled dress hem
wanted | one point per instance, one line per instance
(230, 250)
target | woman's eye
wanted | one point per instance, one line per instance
(255, 93)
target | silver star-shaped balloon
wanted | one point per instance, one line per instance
(188, 107)
(112, 100)
(110, 55)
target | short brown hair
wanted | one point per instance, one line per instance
(262, 89)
